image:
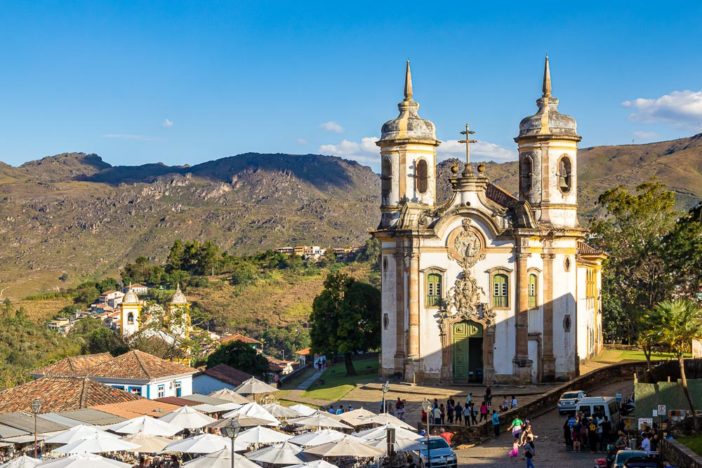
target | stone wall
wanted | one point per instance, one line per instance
(679, 455)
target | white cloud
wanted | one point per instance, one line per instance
(332, 126)
(680, 108)
(167, 123)
(480, 151)
(129, 136)
(301, 141)
(645, 136)
(365, 151)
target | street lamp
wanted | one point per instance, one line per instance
(386, 389)
(427, 407)
(36, 407)
(232, 430)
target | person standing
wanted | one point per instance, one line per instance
(469, 398)
(606, 432)
(443, 414)
(514, 401)
(488, 395)
(496, 423)
(450, 411)
(467, 414)
(483, 411)
(458, 412)
(568, 434)
(436, 414)
(473, 413)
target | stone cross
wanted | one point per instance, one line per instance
(467, 132)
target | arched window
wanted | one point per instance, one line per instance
(532, 290)
(130, 318)
(565, 176)
(527, 170)
(500, 290)
(433, 289)
(421, 171)
(386, 179)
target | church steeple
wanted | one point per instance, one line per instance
(408, 82)
(547, 79)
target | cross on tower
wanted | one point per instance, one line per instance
(468, 169)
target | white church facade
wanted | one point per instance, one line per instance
(486, 287)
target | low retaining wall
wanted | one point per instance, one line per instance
(679, 455)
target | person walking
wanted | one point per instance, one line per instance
(483, 411)
(496, 422)
(458, 411)
(529, 452)
(488, 395)
(516, 428)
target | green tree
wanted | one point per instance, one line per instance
(240, 356)
(635, 274)
(345, 318)
(683, 253)
(674, 324)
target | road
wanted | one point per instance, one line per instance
(550, 447)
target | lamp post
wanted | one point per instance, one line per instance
(427, 407)
(36, 407)
(386, 389)
(232, 430)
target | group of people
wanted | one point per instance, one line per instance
(469, 413)
(522, 437)
(595, 432)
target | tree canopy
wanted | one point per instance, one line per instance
(345, 318)
(240, 356)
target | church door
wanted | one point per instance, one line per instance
(467, 352)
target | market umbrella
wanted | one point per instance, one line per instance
(357, 417)
(221, 459)
(84, 461)
(381, 432)
(312, 439)
(304, 410)
(203, 443)
(318, 420)
(21, 462)
(280, 411)
(253, 386)
(77, 433)
(254, 410)
(231, 396)
(278, 454)
(349, 446)
(221, 408)
(262, 435)
(400, 445)
(187, 418)
(315, 464)
(96, 444)
(244, 421)
(147, 443)
(384, 418)
(146, 425)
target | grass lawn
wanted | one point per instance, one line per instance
(334, 383)
(297, 379)
(694, 442)
(618, 355)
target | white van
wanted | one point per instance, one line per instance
(598, 407)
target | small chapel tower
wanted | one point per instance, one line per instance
(178, 317)
(130, 313)
(408, 158)
(548, 148)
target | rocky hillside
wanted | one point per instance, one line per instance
(75, 213)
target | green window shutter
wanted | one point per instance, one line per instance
(433, 289)
(500, 291)
(532, 291)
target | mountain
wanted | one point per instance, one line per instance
(75, 213)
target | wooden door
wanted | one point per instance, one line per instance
(461, 348)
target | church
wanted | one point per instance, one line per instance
(486, 287)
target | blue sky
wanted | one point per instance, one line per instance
(190, 81)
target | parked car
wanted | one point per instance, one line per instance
(442, 455)
(599, 406)
(568, 400)
(636, 459)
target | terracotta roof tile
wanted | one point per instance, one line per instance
(303, 352)
(136, 408)
(586, 249)
(73, 366)
(172, 400)
(239, 337)
(60, 394)
(227, 374)
(138, 365)
(500, 196)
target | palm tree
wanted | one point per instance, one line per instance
(674, 324)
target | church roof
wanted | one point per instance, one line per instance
(138, 365)
(408, 124)
(179, 298)
(131, 297)
(500, 196)
(547, 120)
(587, 249)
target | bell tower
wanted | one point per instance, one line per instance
(548, 148)
(408, 158)
(130, 313)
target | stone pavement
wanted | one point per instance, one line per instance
(307, 383)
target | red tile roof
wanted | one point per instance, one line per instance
(227, 374)
(136, 408)
(138, 365)
(239, 337)
(60, 394)
(73, 366)
(586, 249)
(172, 400)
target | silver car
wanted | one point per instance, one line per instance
(442, 455)
(569, 401)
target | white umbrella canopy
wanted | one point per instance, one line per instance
(204, 443)
(243, 420)
(381, 432)
(349, 446)
(231, 396)
(304, 410)
(146, 425)
(229, 406)
(318, 420)
(187, 418)
(279, 454)
(221, 459)
(96, 444)
(357, 417)
(254, 410)
(84, 461)
(147, 443)
(400, 445)
(262, 435)
(315, 464)
(21, 462)
(384, 418)
(77, 433)
(280, 411)
(312, 439)
(253, 386)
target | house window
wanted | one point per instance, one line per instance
(178, 388)
(532, 291)
(564, 174)
(130, 318)
(500, 289)
(161, 391)
(422, 176)
(433, 289)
